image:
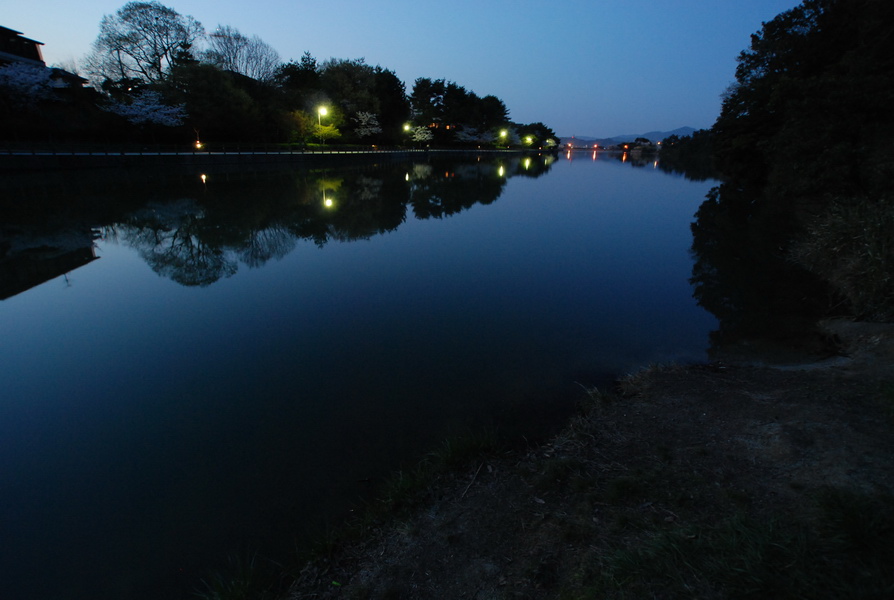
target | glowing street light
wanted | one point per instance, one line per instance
(321, 112)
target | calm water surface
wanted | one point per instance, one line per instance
(247, 352)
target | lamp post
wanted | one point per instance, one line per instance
(321, 112)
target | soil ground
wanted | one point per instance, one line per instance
(636, 497)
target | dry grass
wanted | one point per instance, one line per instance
(851, 245)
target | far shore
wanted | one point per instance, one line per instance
(22, 157)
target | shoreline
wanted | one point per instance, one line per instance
(85, 158)
(662, 486)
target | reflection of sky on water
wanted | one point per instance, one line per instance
(146, 425)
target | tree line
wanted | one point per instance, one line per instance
(158, 75)
(803, 142)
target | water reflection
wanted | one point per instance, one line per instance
(633, 158)
(249, 218)
(698, 168)
(183, 423)
(742, 276)
(766, 305)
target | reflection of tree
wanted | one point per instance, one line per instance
(170, 240)
(446, 193)
(189, 261)
(633, 159)
(366, 206)
(690, 156)
(741, 274)
(441, 191)
(251, 222)
(264, 244)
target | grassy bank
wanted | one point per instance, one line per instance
(718, 481)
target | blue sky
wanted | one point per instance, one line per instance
(582, 67)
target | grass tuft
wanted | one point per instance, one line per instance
(250, 577)
(841, 550)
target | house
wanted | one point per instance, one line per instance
(15, 47)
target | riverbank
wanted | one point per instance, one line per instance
(710, 481)
(74, 156)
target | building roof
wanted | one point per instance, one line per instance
(15, 47)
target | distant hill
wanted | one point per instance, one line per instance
(653, 136)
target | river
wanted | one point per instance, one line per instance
(198, 365)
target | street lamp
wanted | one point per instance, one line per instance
(321, 112)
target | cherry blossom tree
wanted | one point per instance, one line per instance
(421, 134)
(367, 124)
(147, 107)
(26, 83)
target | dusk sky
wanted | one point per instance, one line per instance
(582, 67)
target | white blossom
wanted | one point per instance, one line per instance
(474, 136)
(27, 82)
(421, 134)
(147, 107)
(367, 124)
